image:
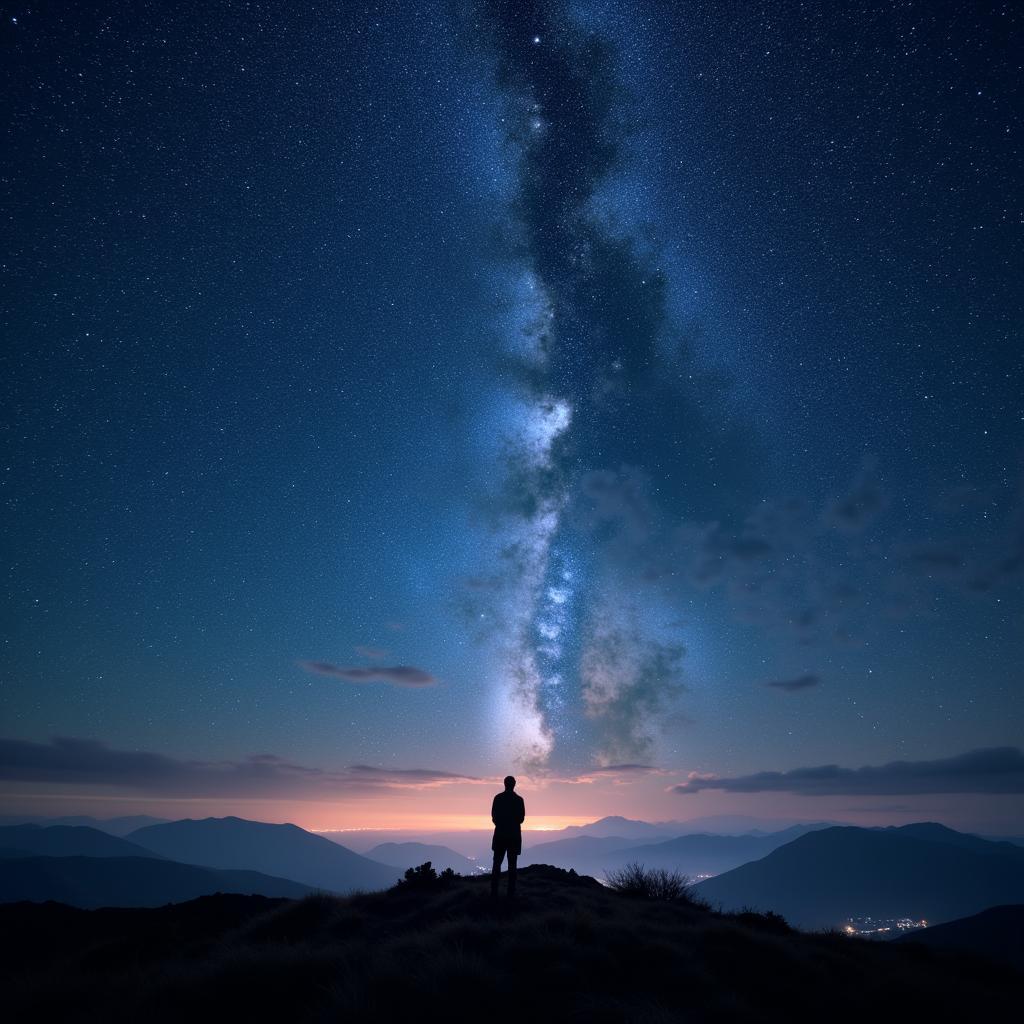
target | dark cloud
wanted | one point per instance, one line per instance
(81, 762)
(945, 561)
(980, 560)
(816, 574)
(997, 770)
(861, 505)
(804, 682)
(395, 675)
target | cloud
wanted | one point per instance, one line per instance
(542, 776)
(862, 504)
(629, 683)
(987, 557)
(615, 773)
(804, 682)
(624, 769)
(406, 776)
(83, 762)
(996, 770)
(395, 675)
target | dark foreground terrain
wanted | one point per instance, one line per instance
(566, 950)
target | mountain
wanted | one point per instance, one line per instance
(114, 826)
(744, 825)
(567, 950)
(824, 877)
(627, 828)
(705, 854)
(581, 853)
(286, 851)
(699, 854)
(127, 881)
(936, 833)
(468, 842)
(66, 841)
(410, 855)
(997, 933)
(1012, 840)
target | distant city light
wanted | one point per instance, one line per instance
(882, 927)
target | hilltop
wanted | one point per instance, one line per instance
(567, 949)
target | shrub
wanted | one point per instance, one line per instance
(651, 884)
(766, 920)
(425, 877)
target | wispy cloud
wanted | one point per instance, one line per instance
(861, 505)
(804, 682)
(994, 770)
(85, 762)
(394, 675)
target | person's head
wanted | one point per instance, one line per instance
(510, 783)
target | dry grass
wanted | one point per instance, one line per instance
(640, 882)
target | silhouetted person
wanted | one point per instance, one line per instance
(507, 813)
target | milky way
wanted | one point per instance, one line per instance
(593, 366)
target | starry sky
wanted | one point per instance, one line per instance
(627, 395)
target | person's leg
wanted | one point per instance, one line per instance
(512, 858)
(496, 871)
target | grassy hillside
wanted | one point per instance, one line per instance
(566, 950)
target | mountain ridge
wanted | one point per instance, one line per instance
(91, 882)
(281, 850)
(823, 877)
(68, 841)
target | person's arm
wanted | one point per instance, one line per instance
(494, 808)
(522, 810)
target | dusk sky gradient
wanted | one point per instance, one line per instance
(626, 395)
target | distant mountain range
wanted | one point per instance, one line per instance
(921, 871)
(65, 841)
(615, 826)
(712, 824)
(128, 881)
(816, 876)
(409, 855)
(286, 851)
(583, 853)
(114, 826)
(699, 854)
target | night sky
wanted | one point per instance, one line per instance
(627, 395)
